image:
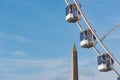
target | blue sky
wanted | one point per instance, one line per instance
(36, 42)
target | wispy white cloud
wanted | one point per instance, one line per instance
(18, 64)
(33, 69)
(19, 53)
(13, 37)
(19, 38)
(46, 69)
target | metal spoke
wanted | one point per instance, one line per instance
(112, 30)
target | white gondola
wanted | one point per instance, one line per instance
(87, 39)
(105, 63)
(72, 13)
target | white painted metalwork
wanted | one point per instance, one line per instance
(96, 36)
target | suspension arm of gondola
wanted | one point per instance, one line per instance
(116, 72)
(97, 37)
(79, 26)
(112, 30)
(96, 50)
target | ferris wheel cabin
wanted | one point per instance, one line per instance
(87, 39)
(72, 13)
(105, 63)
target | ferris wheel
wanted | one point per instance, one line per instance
(89, 38)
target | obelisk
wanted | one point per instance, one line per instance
(74, 64)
